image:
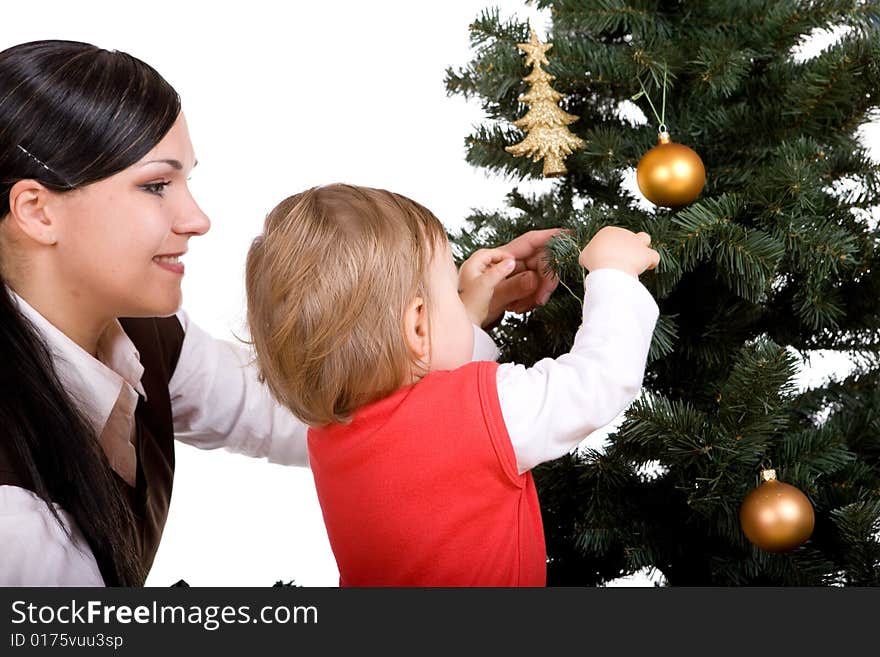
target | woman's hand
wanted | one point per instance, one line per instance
(488, 290)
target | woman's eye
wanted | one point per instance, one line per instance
(155, 188)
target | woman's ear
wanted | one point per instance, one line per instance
(415, 329)
(29, 212)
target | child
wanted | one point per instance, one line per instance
(421, 458)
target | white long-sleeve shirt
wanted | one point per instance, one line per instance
(217, 402)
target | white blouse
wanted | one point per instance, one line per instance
(217, 401)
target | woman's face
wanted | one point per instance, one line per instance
(120, 239)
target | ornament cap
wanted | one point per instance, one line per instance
(768, 475)
(663, 137)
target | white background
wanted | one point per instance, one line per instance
(280, 96)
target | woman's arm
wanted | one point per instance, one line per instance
(218, 401)
(36, 551)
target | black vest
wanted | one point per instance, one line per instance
(158, 341)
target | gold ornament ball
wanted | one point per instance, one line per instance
(775, 516)
(670, 174)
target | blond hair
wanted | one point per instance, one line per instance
(327, 285)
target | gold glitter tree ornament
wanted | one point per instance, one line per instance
(545, 124)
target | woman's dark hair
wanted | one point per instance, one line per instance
(70, 114)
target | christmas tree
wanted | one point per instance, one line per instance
(777, 258)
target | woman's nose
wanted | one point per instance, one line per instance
(193, 221)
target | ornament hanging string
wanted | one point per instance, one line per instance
(661, 118)
(572, 247)
(576, 297)
(669, 175)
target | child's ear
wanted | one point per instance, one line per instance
(415, 329)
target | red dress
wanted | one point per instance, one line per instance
(421, 489)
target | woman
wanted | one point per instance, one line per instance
(100, 370)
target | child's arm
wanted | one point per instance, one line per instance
(484, 346)
(478, 280)
(550, 407)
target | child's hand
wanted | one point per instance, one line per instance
(618, 248)
(531, 283)
(478, 277)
